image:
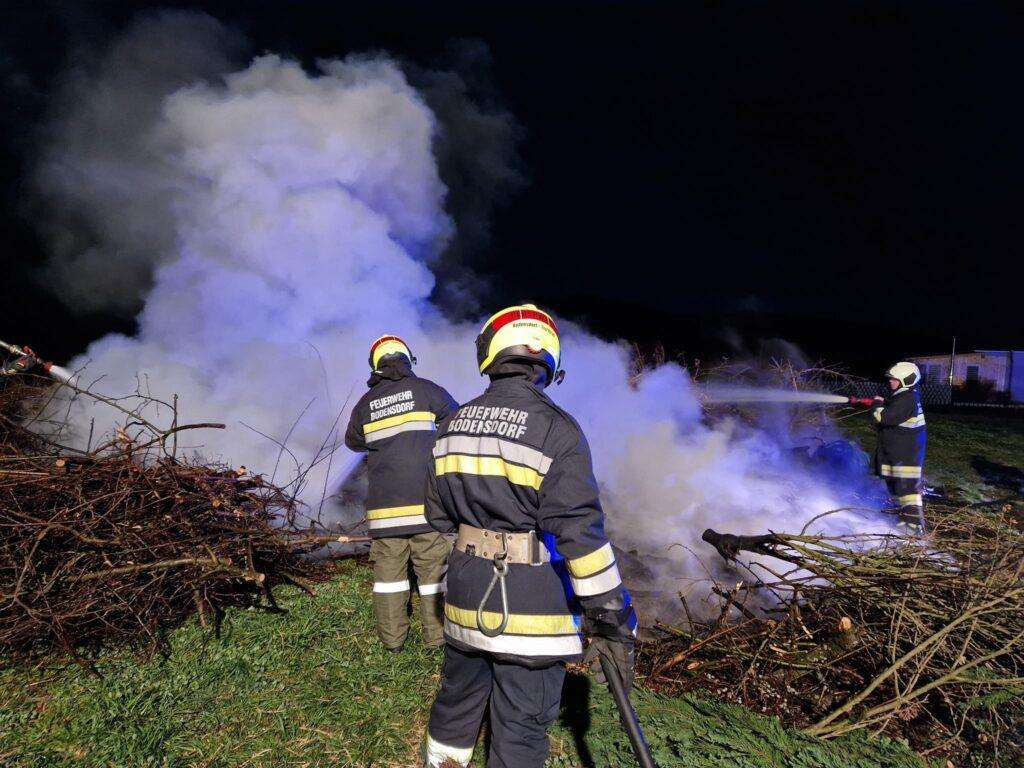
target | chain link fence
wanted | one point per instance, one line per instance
(932, 393)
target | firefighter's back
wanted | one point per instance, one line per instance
(397, 421)
(490, 461)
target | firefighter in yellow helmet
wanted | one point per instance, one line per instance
(902, 437)
(532, 571)
(394, 423)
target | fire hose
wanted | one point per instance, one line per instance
(27, 358)
(612, 675)
(630, 721)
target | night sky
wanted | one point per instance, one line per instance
(847, 177)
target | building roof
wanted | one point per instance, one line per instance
(970, 352)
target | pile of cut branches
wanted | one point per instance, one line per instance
(920, 638)
(115, 547)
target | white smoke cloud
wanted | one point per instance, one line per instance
(276, 220)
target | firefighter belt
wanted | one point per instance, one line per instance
(501, 548)
(513, 548)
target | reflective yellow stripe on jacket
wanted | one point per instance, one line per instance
(913, 421)
(493, 466)
(395, 517)
(403, 422)
(525, 635)
(594, 573)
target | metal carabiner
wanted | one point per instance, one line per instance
(500, 571)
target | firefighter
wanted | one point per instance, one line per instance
(532, 570)
(394, 423)
(899, 456)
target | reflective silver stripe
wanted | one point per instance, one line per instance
(409, 426)
(389, 587)
(596, 585)
(520, 645)
(396, 522)
(911, 500)
(438, 753)
(914, 421)
(493, 446)
(432, 589)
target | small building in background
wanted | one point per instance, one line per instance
(994, 373)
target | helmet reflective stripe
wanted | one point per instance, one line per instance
(905, 373)
(388, 345)
(520, 326)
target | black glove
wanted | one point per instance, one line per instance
(610, 627)
(621, 655)
(21, 365)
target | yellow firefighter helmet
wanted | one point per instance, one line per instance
(524, 333)
(388, 345)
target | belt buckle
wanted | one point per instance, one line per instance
(535, 545)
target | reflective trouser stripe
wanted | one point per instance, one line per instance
(913, 421)
(429, 554)
(889, 470)
(438, 753)
(387, 587)
(911, 500)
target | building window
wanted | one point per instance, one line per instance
(932, 373)
(972, 374)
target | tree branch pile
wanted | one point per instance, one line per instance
(921, 638)
(116, 547)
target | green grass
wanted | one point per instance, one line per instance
(313, 688)
(957, 443)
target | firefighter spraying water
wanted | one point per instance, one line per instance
(27, 360)
(899, 454)
(902, 437)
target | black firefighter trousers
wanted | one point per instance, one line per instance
(523, 705)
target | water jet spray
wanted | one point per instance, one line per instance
(728, 393)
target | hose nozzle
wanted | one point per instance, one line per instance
(864, 402)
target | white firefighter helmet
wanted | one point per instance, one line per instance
(521, 333)
(907, 374)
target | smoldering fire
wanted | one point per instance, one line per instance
(275, 220)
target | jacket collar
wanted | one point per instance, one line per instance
(514, 383)
(391, 371)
